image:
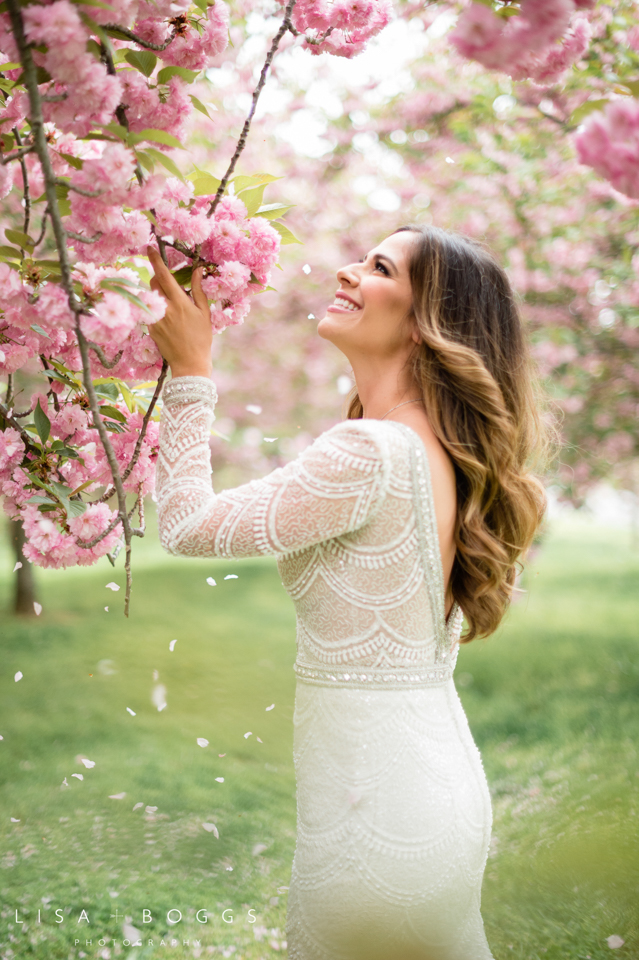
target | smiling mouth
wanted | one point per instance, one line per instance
(345, 304)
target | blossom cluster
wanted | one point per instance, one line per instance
(340, 27)
(540, 43)
(609, 142)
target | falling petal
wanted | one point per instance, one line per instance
(202, 742)
(221, 754)
(18, 676)
(158, 696)
(211, 582)
(253, 408)
(211, 828)
(247, 735)
(614, 942)
(311, 316)
(117, 796)
(259, 740)
(78, 776)
(270, 439)
(306, 269)
(13, 820)
(259, 848)
(38, 608)
(231, 576)
(87, 763)
(138, 805)
(18, 566)
(107, 609)
(172, 645)
(220, 779)
(282, 889)
(150, 809)
(64, 783)
(112, 586)
(1, 737)
(156, 675)
(271, 707)
(132, 712)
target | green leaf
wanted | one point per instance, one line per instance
(166, 162)
(109, 390)
(273, 211)
(155, 136)
(146, 161)
(21, 239)
(183, 275)
(108, 411)
(39, 499)
(54, 375)
(93, 3)
(116, 130)
(83, 486)
(75, 508)
(198, 103)
(127, 396)
(201, 4)
(253, 199)
(142, 60)
(64, 206)
(632, 85)
(42, 423)
(113, 427)
(166, 73)
(38, 329)
(206, 186)
(6, 251)
(116, 288)
(61, 490)
(73, 161)
(285, 233)
(588, 107)
(243, 183)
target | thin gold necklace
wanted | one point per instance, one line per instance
(419, 400)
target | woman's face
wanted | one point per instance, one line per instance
(371, 314)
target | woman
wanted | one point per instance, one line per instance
(386, 528)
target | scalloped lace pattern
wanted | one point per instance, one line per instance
(394, 813)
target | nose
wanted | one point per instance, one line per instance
(348, 276)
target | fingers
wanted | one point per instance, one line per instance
(167, 284)
(199, 297)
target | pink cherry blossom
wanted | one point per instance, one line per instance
(609, 142)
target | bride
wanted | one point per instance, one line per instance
(389, 529)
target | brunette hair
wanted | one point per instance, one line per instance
(473, 369)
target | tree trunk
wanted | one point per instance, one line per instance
(25, 590)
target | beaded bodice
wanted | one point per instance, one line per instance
(352, 524)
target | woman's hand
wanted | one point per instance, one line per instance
(184, 335)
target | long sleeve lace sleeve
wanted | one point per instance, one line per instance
(334, 487)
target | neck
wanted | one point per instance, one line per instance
(382, 385)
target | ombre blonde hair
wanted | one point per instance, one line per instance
(474, 371)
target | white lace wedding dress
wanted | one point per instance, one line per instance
(393, 808)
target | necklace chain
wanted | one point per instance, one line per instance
(418, 400)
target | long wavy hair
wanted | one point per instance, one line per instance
(474, 372)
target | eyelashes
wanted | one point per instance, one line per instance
(378, 265)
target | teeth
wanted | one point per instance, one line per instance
(341, 302)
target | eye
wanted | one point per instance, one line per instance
(380, 266)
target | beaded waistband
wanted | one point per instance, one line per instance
(398, 679)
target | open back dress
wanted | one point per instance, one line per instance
(393, 809)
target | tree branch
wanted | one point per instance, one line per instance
(80, 190)
(77, 236)
(241, 143)
(145, 422)
(134, 37)
(16, 156)
(25, 185)
(102, 356)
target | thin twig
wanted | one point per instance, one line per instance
(136, 39)
(9, 394)
(56, 402)
(145, 422)
(11, 420)
(25, 185)
(241, 143)
(37, 242)
(109, 364)
(16, 155)
(80, 190)
(77, 236)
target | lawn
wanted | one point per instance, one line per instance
(552, 699)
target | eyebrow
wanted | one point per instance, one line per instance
(382, 256)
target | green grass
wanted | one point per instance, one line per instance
(552, 700)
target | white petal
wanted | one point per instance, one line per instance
(211, 828)
(202, 742)
(150, 809)
(1, 737)
(259, 848)
(18, 676)
(107, 609)
(614, 942)
(138, 805)
(117, 796)
(78, 776)
(38, 608)
(13, 820)
(247, 735)
(112, 586)
(211, 582)
(259, 741)
(172, 645)
(220, 779)
(271, 707)
(253, 408)
(306, 269)
(132, 712)
(221, 754)
(231, 576)
(18, 566)
(88, 763)
(270, 439)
